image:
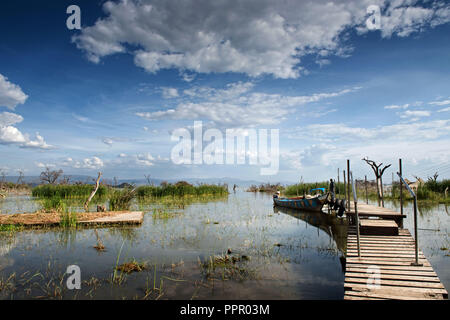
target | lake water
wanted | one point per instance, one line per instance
(275, 253)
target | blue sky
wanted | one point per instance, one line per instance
(107, 97)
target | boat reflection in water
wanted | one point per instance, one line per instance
(335, 227)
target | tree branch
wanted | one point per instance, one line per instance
(86, 204)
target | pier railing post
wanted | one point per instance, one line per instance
(348, 183)
(345, 188)
(401, 186)
(416, 236)
(365, 184)
(355, 199)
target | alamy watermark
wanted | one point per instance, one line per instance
(373, 22)
(74, 280)
(237, 146)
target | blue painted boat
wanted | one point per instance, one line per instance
(309, 203)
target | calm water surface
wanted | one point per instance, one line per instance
(288, 254)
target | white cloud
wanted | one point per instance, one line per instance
(169, 93)
(9, 134)
(107, 141)
(405, 106)
(440, 103)
(236, 106)
(87, 163)
(145, 159)
(341, 133)
(140, 159)
(45, 165)
(444, 109)
(9, 119)
(315, 155)
(254, 37)
(417, 143)
(415, 114)
(10, 94)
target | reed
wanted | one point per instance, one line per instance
(181, 189)
(121, 199)
(68, 191)
(304, 188)
(54, 203)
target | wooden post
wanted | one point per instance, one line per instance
(345, 188)
(401, 186)
(348, 183)
(337, 187)
(365, 184)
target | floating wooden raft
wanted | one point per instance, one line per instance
(84, 218)
(392, 257)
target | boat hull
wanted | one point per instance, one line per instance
(312, 204)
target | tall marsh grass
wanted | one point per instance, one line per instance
(304, 188)
(68, 191)
(121, 199)
(181, 189)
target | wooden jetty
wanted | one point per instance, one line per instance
(385, 268)
(367, 211)
(40, 219)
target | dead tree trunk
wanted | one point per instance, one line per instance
(97, 183)
(379, 177)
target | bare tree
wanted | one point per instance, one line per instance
(3, 173)
(379, 176)
(65, 180)
(434, 177)
(147, 176)
(21, 176)
(50, 176)
(97, 183)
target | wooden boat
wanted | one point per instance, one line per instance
(309, 203)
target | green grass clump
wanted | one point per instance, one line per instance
(68, 219)
(10, 228)
(121, 199)
(54, 203)
(68, 191)
(180, 189)
(304, 188)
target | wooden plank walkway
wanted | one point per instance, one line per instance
(40, 219)
(367, 210)
(391, 258)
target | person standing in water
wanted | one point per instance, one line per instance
(332, 190)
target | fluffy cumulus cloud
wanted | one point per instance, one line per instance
(237, 105)
(169, 93)
(440, 103)
(140, 159)
(339, 132)
(253, 36)
(10, 94)
(9, 134)
(424, 141)
(315, 155)
(86, 163)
